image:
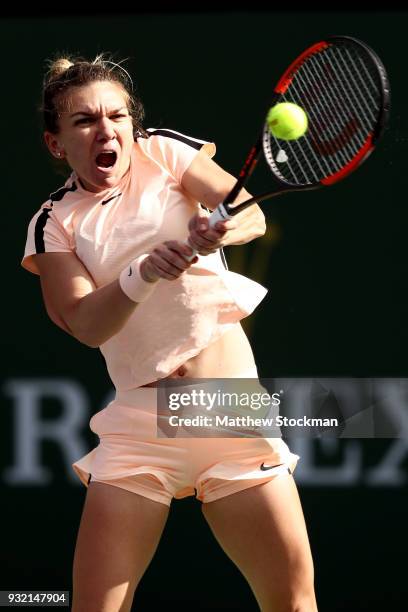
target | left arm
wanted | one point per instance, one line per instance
(209, 184)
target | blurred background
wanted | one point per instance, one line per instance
(334, 262)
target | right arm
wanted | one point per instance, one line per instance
(93, 315)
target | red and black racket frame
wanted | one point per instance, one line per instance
(280, 89)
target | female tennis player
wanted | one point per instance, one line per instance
(110, 248)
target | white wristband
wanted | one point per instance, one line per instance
(132, 283)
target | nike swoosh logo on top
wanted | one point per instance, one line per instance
(130, 271)
(109, 199)
(269, 467)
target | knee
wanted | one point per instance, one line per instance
(299, 596)
(306, 605)
(301, 603)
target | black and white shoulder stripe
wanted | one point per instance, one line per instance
(188, 140)
(60, 193)
(41, 222)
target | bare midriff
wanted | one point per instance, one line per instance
(227, 357)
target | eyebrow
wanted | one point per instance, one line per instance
(88, 114)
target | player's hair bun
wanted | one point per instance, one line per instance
(58, 67)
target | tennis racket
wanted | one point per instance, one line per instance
(343, 87)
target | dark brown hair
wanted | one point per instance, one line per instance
(67, 72)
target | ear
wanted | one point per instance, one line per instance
(54, 146)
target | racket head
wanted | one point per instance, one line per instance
(343, 87)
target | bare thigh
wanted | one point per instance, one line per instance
(118, 535)
(262, 530)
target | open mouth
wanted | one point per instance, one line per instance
(106, 160)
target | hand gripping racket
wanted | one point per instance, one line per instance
(343, 87)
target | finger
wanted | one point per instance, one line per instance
(203, 224)
(199, 222)
(224, 226)
(209, 236)
(181, 248)
(166, 261)
(153, 269)
(204, 250)
(209, 230)
(161, 268)
(214, 234)
(180, 256)
(171, 261)
(207, 251)
(197, 240)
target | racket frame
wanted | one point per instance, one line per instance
(228, 210)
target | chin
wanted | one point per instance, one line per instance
(102, 183)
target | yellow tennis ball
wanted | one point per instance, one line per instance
(287, 121)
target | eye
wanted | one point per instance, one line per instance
(83, 121)
(119, 116)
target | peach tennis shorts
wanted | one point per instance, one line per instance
(132, 457)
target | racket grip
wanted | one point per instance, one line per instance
(219, 214)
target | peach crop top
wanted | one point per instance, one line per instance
(109, 229)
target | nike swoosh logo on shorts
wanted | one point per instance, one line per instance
(269, 467)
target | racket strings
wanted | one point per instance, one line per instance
(351, 90)
(312, 80)
(340, 90)
(335, 125)
(356, 77)
(298, 156)
(330, 118)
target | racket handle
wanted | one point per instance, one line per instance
(219, 214)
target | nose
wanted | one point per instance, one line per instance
(105, 129)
